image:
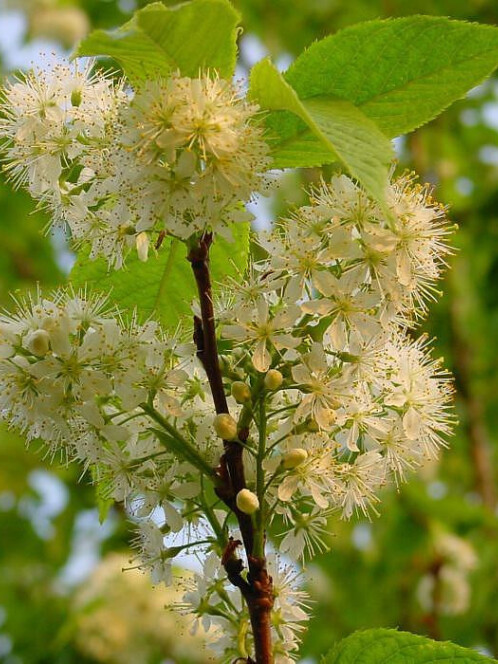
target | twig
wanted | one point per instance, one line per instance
(257, 589)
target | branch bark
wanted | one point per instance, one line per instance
(257, 590)
(477, 431)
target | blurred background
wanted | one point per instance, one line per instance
(429, 564)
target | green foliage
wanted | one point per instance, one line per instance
(340, 127)
(164, 286)
(401, 73)
(104, 503)
(189, 37)
(26, 256)
(380, 75)
(376, 646)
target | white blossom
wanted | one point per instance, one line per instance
(331, 398)
(179, 155)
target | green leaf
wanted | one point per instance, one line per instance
(341, 131)
(400, 72)
(376, 646)
(188, 37)
(164, 287)
(102, 490)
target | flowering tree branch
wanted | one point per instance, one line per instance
(315, 399)
(257, 590)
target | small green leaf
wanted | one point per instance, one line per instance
(341, 131)
(400, 72)
(189, 37)
(164, 287)
(377, 646)
(102, 490)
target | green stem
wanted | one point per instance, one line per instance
(281, 410)
(259, 534)
(177, 444)
(245, 417)
(189, 545)
(278, 472)
(300, 428)
(218, 529)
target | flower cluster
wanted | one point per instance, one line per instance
(76, 375)
(92, 386)
(120, 167)
(130, 405)
(357, 402)
(196, 147)
(329, 397)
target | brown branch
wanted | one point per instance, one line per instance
(205, 333)
(260, 603)
(475, 424)
(231, 468)
(257, 590)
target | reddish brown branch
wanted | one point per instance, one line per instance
(231, 468)
(260, 604)
(257, 590)
(207, 349)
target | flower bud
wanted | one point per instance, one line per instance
(247, 501)
(241, 391)
(38, 342)
(273, 379)
(294, 458)
(225, 426)
(76, 97)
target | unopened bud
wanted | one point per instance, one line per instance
(294, 458)
(142, 246)
(225, 426)
(38, 342)
(247, 501)
(273, 379)
(241, 391)
(76, 97)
